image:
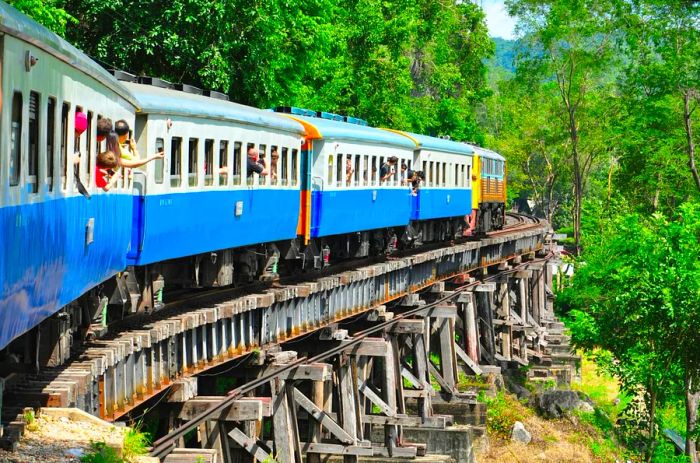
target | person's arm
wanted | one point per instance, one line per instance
(131, 163)
(112, 181)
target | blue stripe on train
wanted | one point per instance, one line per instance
(346, 211)
(435, 203)
(45, 262)
(182, 224)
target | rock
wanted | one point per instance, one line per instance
(555, 404)
(519, 391)
(520, 434)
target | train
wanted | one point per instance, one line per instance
(198, 217)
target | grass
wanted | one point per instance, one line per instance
(136, 443)
(30, 421)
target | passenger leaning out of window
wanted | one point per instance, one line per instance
(388, 169)
(274, 159)
(254, 164)
(348, 171)
(107, 170)
(127, 147)
(104, 126)
(80, 126)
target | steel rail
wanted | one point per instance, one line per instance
(165, 444)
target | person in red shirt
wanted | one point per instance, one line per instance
(106, 170)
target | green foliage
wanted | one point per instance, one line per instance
(502, 412)
(136, 443)
(100, 452)
(50, 13)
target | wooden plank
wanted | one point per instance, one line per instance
(348, 407)
(420, 368)
(439, 311)
(407, 327)
(312, 372)
(282, 423)
(321, 417)
(398, 452)
(240, 410)
(468, 361)
(376, 400)
(411, 378)
(315, 434)
(441, 381)
(252, 446)
(405, 420)
(336, 449)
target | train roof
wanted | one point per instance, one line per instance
(158, 100)
(437, 144)
(16, 24)
(487, 153)
(319, 128)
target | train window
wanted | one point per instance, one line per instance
(330, 170)
(65, 111)
(365, 176)
(458, 178)
(425, 173)
(237, 148)
(33, 159)
(274, 165)
(88, 157)
(250, 175)
(50, 140)
(192, 170)
(159, 163)
(437, 174)
(357, 171)
(175, 162)
(16, 139)
(295, 168)
(375, 171)
(208, 162)
(264, 159)
(285, 167)
(444, 174)
(223, 162)
(339, 171)
(469, 176)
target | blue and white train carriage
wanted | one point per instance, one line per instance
(55, 243)
(200, 203)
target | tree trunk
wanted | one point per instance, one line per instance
(652, 425)
(692, 398)
(578, 180)
(687, 114)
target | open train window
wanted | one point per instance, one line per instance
(339, 171)
(50, 140)
(65, 112)
(159, 163)
(375, 171)
(365, 175)
(16, 139)
(89, 152)
(175, 162)
(208, 162)
(284, 159)
(274, 166)
(357, 170)
(193, 172)
(33, 153)
(295, 166)
(250, 176)
(237, 168)
(330, 170)
(223, 162)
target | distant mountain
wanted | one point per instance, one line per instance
(504, 57)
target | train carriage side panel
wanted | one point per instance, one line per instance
(56, 243)
(200, 199)
(359, 203)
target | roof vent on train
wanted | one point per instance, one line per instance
(155, 81)
(321, 114)
(188, 89)
(123, 76)
(217, 95)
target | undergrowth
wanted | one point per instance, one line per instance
(136, 443)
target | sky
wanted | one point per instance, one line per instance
(497, 19)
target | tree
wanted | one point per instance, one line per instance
(570, 44)
(50, 13)
(636, 294)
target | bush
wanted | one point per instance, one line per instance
(502, 412)
(100, 452)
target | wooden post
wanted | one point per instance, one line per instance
(347, 398)
(448, 357)
(506, 334)
(472, 333)
(484, 308)
(318, 397)
(420, 370)
(389, 396)
(522, 299)
(281, 423)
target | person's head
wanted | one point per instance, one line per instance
(104, 126)
(107, 160)
(81, 123)
(112, 143)
(392, 160)
(122, 129)
(403, 167)
(253, 154)
(274, 155)
(420, 174)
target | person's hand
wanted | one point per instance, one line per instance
(132, 144)
(160, 154)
